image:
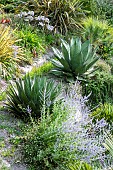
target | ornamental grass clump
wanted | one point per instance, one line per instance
(10, 55)
(100, 34)
(30, 94)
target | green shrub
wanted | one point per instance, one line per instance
(10, 5)
(29, 95)
(104, 10)
(75, 61)
(39, 141)
(41, 70)
(30, 39)
(104, 111)
(33, 41)
(100, 88)
(61, 140)
(100, 34)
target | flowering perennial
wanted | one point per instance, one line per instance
(83, 137)
(40, 20)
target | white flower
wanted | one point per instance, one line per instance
(26, 19)
(42, 18)
(24, 14)
(47, 20)
(50, 28)
(19, 15)
(31, 13)
(41, 24)
(30, 18)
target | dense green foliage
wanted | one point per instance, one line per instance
(100, 34)
(100, 87)
(28, 96)
(39, 141)
(75, 61)
(104, 111)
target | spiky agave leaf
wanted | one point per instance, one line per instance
(32, 93)
(75, 60)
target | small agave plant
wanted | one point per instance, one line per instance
(75, 61)
(27, 97)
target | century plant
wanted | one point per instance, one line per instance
(27, 97)
(8, 52)
(75, 60)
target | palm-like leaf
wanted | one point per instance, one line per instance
(8, 60)
(75, 60)
(32, 93)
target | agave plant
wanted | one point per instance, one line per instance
(75, 61)
(28, 96)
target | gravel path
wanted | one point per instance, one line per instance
(9, 157)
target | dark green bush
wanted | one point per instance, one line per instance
(100, 87)
(28, 96)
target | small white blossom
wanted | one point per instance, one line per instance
(31, 13)
(41, 24)
(30, 18)
(26, 19)
(50, 28)
(47, 20)
(19, 15)
(42, 18)
(24, 14)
